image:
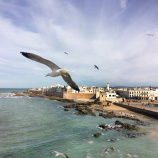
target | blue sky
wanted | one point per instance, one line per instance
(108, 33)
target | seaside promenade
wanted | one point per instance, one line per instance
(146, 108)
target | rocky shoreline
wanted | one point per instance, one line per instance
(90, 108)
(86, 107)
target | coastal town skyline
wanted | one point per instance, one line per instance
(119, 36)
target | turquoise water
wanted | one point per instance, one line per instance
(33, 127)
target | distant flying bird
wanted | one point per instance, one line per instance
(150, 34)
(57, 154)
(56, 70)
(66, 53)
(95, 66)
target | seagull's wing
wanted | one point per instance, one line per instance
(39, 59)
(65, 155)
(67, 78)
(96, 67)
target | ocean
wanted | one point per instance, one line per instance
(33, 127)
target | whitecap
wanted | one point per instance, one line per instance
(90, 142)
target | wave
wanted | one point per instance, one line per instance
(9, 95)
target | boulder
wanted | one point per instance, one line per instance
(93, 114)
(66, 109)
(103, 126)
(97, 134)
(126, 126)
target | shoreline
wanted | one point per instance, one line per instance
(95, 106)
(117, 111)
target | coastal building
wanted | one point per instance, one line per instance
(109, 96)
(66, 92)
(135, 93)
(154, 94)
(91, 89)
(107, 87)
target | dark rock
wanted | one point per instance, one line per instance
(66, 109)
(142, 123)
(93, 114)
(126, 126)
(108, 115)
(77, 113)
(117, 122)
(84, 112)
(97, 134)
(103, 126)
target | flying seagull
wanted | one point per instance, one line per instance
(57, 154)
(66, 53)
(95, 66)
(56, 70)
(150, 34)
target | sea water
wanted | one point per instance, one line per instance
(33, 127)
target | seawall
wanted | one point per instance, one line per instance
(146, 112)
(78, 96)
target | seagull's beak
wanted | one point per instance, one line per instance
(46, 75)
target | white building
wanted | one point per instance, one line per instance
(154, 94)
(141, 93)
(107, 87)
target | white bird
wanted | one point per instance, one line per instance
(57, 154)
(56, 70)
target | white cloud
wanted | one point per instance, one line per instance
(119, 46)
(123, 4)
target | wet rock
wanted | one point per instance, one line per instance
(97, 134)
(112, 148)
(111, 140)
(70, 106)
(66, 109)
(93, 114)
(130, 135)
(126, 126)
(103, 126)
(108, 115)
(77, 113)
(117, 122)
(138, 122)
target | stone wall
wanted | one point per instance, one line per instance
(114, 99)
(55, 94)
(67, 95)
(149, 113)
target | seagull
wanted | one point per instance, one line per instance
(95, 66)
(150, 34)
(56, 70)
(57, 154)
(66, 53)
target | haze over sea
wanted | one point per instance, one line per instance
(33, 127)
